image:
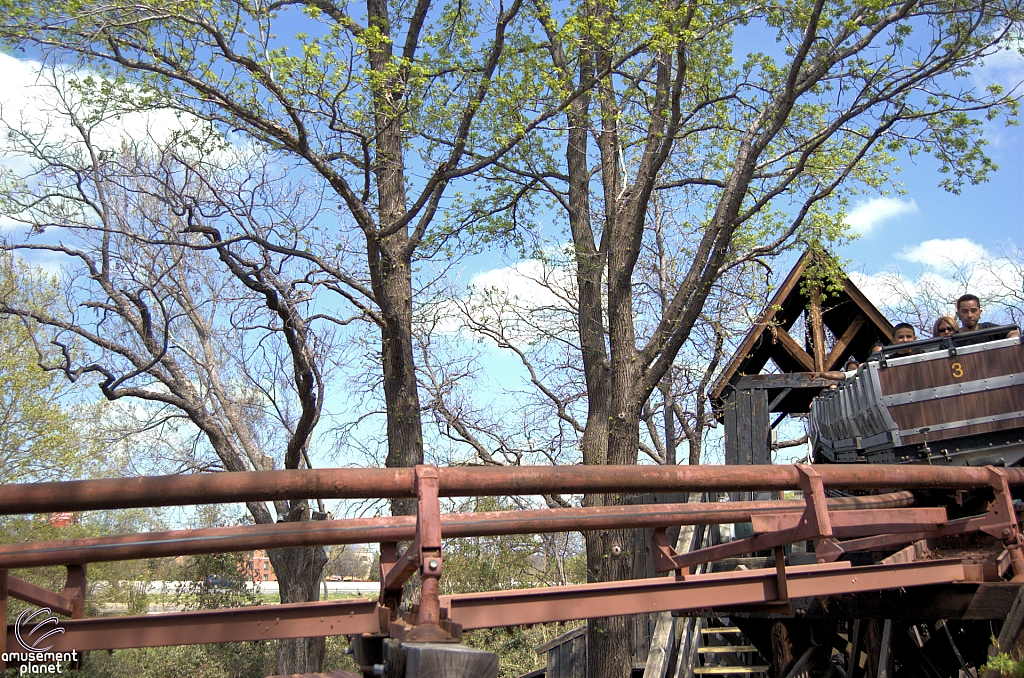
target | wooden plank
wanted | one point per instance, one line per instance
(760, 428)
(728, 670)
(744, 404)
(1011, 630)
(788, 380)
(555, 661)
(795, 351)
(731, 415)
(817, 329)
(835, 357)
(577, 662)
(853, 655)
(564, 638)
(877, 319)
(446, 660)
(885, 657)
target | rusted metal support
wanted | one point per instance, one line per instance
(815, 519)
(85, 495)
(74, 589)
(38, 596)
(403, 528)
(776, 531)
(388, 560)
(263, 622)
(1001, 521)
(780, 574)
(692, 593)
(816, 522)
(3, 615)
(429, 558)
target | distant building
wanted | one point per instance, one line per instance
(62, 519)
(260, 568)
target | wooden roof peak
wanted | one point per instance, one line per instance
(854, 322)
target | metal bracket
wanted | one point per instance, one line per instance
(1001, 520)
(814, 524)
(662, 551)
(780, 577)
(423, 555)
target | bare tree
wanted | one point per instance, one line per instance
(162, 306)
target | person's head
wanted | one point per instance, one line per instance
(903, 334)
(968, 309)
(944, 327)
(852, 364)
(876, 348)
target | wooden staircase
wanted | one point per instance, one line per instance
(725, 652)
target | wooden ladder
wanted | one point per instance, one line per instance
(730, 655)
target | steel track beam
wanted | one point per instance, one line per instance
(263, 622)
(85, 495)
(692, 593)
(403, 528)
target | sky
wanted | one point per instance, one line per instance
(916, 231)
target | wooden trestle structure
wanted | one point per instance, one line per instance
(861, 526)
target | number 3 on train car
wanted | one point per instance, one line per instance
(958, 370)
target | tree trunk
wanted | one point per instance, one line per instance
(298, 575)
(401, 398)
(389, 255)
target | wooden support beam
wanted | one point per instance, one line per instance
(835, 356)
(885, 658)
(817, 330)
(853, 657)
(1010, 636)
(795, 351)
(788, 380)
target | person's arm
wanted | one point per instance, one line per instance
(835, 375)
(1013, 333)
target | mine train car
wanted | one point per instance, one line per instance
(952, 401)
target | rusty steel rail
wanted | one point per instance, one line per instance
(219, 488)
(403, 528)
(261, 622)
(861, 521)
(496, 609)
(691, 593)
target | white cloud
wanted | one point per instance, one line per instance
(1005, 67)
(37, 101)
(941, 254)
(867, 216)
(530, 283)
(524, 301)
(949, 268)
